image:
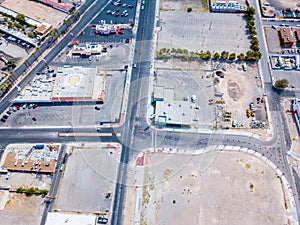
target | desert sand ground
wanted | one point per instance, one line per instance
(36, 11)
(22, 210)
(213, 188)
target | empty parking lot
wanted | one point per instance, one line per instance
(86, 181)
(203, 31)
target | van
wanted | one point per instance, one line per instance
(193, 98)
(244, 66)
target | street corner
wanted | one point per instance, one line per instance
(140, 159)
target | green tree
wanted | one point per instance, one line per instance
(217, 55)
(20, 18)
(189, 9)
(241, 56)
(283, 83)
(11, 63)
(224, 55)
(67, 22)
(250, 11)
(232, 56)
(30, 34)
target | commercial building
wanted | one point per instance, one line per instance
(67, 84)
(40, 158)
(286, 37)
(168, 111)
(87, 49)
(79, 84)
(296, 111)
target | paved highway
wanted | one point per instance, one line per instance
(142, 57)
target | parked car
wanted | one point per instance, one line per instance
(102, 220)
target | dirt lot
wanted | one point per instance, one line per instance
(22, 210)
(235, 187)
(283, 4)
(272, 39)
(36, 11)
(196, 5)
(240, 88)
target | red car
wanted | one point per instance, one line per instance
(35, 106)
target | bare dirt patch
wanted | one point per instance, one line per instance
(36, 11)
(234, 90)
(283, 4)
(22, 210)
(240, 88)
(196, 5)
(234, 187)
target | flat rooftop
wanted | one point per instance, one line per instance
(65, 84)
(79, 83)
(31, 158)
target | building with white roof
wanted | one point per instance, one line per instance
(168, 111)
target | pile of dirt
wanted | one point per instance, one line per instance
(234, 90)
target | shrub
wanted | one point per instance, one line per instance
(283, 83)
(189, 9)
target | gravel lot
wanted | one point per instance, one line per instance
(231, 188)
(86, 181)
(272, 39)
(203, 31)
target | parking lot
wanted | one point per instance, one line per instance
(17, 180)
(12, 49)
(122, 14)
(86, 183)
(74, 115)
(203, 31)
(291, 75)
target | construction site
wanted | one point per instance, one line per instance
(238, 104)
(41, 158)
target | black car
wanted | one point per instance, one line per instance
(102, 220)
(5, 117)
(3, 120)
(8, 112)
